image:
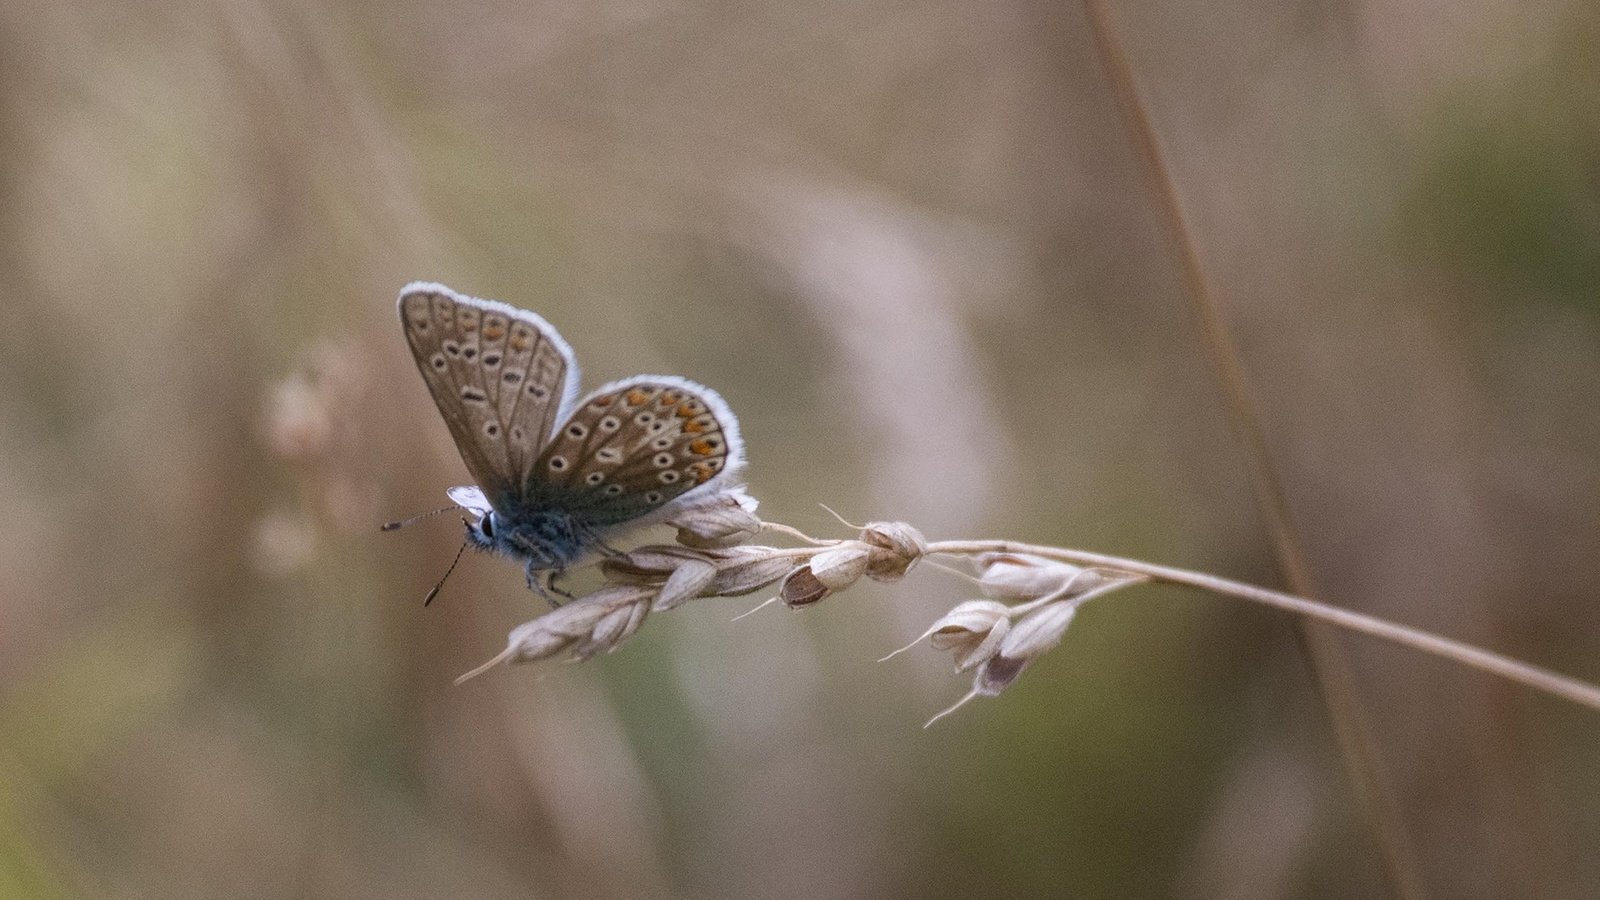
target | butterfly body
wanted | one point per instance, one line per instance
(557, 474)
(541, 539)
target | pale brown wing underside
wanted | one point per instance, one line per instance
(634, 446)
(501, 377)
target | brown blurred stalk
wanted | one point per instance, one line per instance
(1324, 655)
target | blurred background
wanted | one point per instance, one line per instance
(914, 247)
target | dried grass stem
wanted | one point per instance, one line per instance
(1466, 654)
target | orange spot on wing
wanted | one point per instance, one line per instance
(637, 397)
(519, 342)
(687, 411)
(494, 332)
(701, 447)
(692, 427)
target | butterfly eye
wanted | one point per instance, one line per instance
(486, 525)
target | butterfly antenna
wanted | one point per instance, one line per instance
(391, 526)
(435, 592)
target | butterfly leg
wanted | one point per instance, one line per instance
(545, 586)
(551, 583)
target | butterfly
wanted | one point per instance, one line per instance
(558, 474)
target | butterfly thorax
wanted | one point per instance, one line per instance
(539, 538)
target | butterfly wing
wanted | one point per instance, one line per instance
(633, 447)
(502, 378)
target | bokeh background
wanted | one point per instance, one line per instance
(915, 247)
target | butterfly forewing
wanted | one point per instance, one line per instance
(499, 376)
(634, 446)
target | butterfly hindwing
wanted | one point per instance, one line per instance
(634, 446)
(501, 377)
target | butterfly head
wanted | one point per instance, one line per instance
(480, 516)
(481, 531)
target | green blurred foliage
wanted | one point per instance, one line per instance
(1507, 191)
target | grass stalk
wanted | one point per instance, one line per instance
(1324, 655)
(1475, 657)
